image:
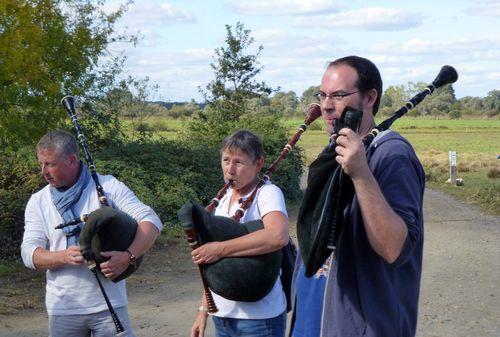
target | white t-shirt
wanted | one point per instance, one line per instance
(73, 290)
(269, 198)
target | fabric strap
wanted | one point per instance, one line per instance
(64, 201)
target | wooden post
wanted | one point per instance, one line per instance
(453, 167)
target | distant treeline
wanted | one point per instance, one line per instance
(169, 105)
(441, 103)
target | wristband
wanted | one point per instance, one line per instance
(202, 308)
(132, 258)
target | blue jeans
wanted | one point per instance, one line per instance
(99, 324)
(237, 327)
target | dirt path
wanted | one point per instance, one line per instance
(460, 294)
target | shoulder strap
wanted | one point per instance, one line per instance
(378, 138)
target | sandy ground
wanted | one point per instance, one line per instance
(460, 294)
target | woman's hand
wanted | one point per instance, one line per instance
(199, 325)
(208, 253)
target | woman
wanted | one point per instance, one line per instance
(241, 161)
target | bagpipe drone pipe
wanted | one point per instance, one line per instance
(105, 229)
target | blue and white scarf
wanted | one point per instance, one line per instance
(64, 201)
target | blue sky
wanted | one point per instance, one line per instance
(408, 40)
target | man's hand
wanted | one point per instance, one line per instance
(118, 262)
(72, 256)
(351, 153)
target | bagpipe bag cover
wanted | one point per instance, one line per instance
(246, 279)
(108, 229)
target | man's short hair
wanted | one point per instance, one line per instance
(368, 75)
(59, 141)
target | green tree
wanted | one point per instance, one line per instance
(260, 105)
(491, 103)
(438, 103)
(183, 110)
(47, 49)
(471, 105)
(228, 99)
(393, 98)
(235, 70)
(455, 110)
(307, 97)
(284, 103)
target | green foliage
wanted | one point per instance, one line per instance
(455, 110)
(48, 48)
(308, 97)
(19, 178)
(235, 71)
(393, 98)
(438, 103)
(183, 110)
(491, 103)
(274, 136)
(164, 174)
(229, 97)
(285, 103)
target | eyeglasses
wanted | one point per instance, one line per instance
(336, 96)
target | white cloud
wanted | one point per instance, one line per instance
(148, 13)
(484, 8)
(282, 44)
(481, 48)
(475, 60)
(284, 7)
(373, 18)
(162, 58)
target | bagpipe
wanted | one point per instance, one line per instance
(248, 278)
(105, 229)
(329, 190)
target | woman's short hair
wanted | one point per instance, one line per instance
(59, 141)
(246, 142)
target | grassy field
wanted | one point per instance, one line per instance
(477, 143)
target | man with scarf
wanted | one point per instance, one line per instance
(74, 304)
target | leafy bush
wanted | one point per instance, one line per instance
(163, 174)
(19, 178)
(159, 125)
(274, 137)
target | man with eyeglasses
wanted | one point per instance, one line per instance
(370, 285)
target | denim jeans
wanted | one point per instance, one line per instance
(237, 327)
(99, 324)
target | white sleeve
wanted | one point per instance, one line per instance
(34, 235)
(269, 199)
(125, 200)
